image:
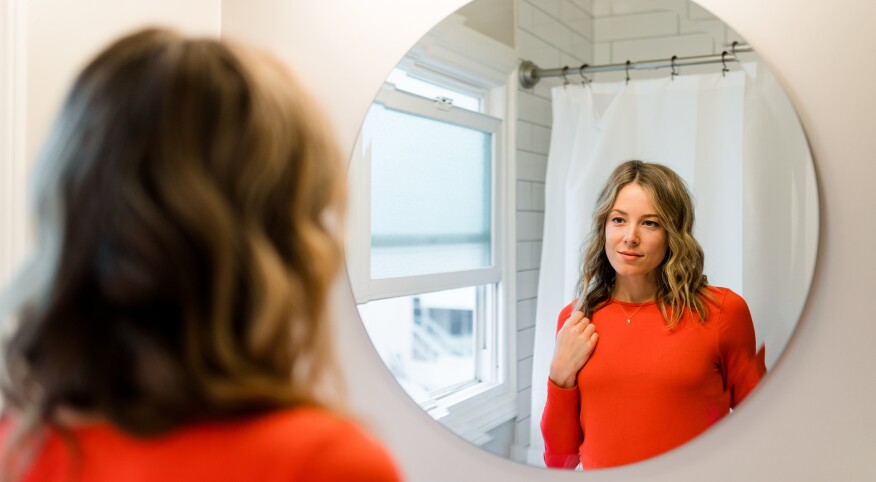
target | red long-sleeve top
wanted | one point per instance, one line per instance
(305, 444)
(647, 389)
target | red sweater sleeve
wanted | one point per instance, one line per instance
(742, 366)
(560, 421)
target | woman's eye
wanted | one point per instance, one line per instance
(651, 224)
(617, 220)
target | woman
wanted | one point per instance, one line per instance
(649, 355)
(173, 323)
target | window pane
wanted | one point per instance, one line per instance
(403, 81)
(430, 196)
(427, 341)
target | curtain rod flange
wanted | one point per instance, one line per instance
(528, 74)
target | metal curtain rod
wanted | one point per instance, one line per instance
(530, 73)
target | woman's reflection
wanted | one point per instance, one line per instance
(649, 355)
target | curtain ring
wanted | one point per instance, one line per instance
(581, 73)
(674, 68)
(565, 79)
(733, 47)
(627, 69)
(724, 69)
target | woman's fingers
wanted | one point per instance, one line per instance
(589, 337)
(574, 319)
(591, 342)
(575, 343)
(589, 329)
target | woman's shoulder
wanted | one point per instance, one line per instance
(568, 309)
(318, 423)
(302, 443)
(720, 296)
(565, 313)
(725, 303)
(339, 448)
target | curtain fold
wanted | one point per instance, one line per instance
(713, 130)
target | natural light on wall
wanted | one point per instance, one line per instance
(13, 165)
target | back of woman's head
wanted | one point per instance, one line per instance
(187, 204)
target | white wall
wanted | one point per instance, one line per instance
(47, 42)
(813, 418)
(12, 174)
(63, 36)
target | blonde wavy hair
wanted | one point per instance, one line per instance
(681, 284)
(188, 206)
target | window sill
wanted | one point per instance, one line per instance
(473, 412)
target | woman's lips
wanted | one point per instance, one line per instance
(627, 256)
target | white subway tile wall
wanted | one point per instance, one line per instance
(525, 258)
(550, 6)
(527, 285)
(531, 166)
(541, 139)
(524, 197)
(534, 49)
(635, 26)
(654, 29)
(602, 53)
(697, 12)
(620, 7)
(524, 136)
(553, 33)
(525, 313)
(525, 344)
(524, 397)
(521, 432)
(534, 109)
(524, 375)
(600, 8)
(529, 226)
(550, 33)
(577, 18)
(537, 196)
(655, 48)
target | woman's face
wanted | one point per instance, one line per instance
(635, 239)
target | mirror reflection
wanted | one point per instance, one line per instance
(472, 198)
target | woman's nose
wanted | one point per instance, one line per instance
(631, 236)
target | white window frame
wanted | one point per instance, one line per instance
(366, 289)
(459, 58)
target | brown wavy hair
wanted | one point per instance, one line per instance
(681, 284)
(188, 205)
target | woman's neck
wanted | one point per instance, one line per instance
(634, 290)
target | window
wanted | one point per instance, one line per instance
(430, 240)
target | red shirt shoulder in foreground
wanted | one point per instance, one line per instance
(287, 445)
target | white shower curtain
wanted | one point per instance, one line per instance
(694, 124)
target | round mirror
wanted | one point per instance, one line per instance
(472, 190)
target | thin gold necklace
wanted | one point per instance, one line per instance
(629, 316)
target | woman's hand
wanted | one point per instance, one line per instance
(576, 341)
